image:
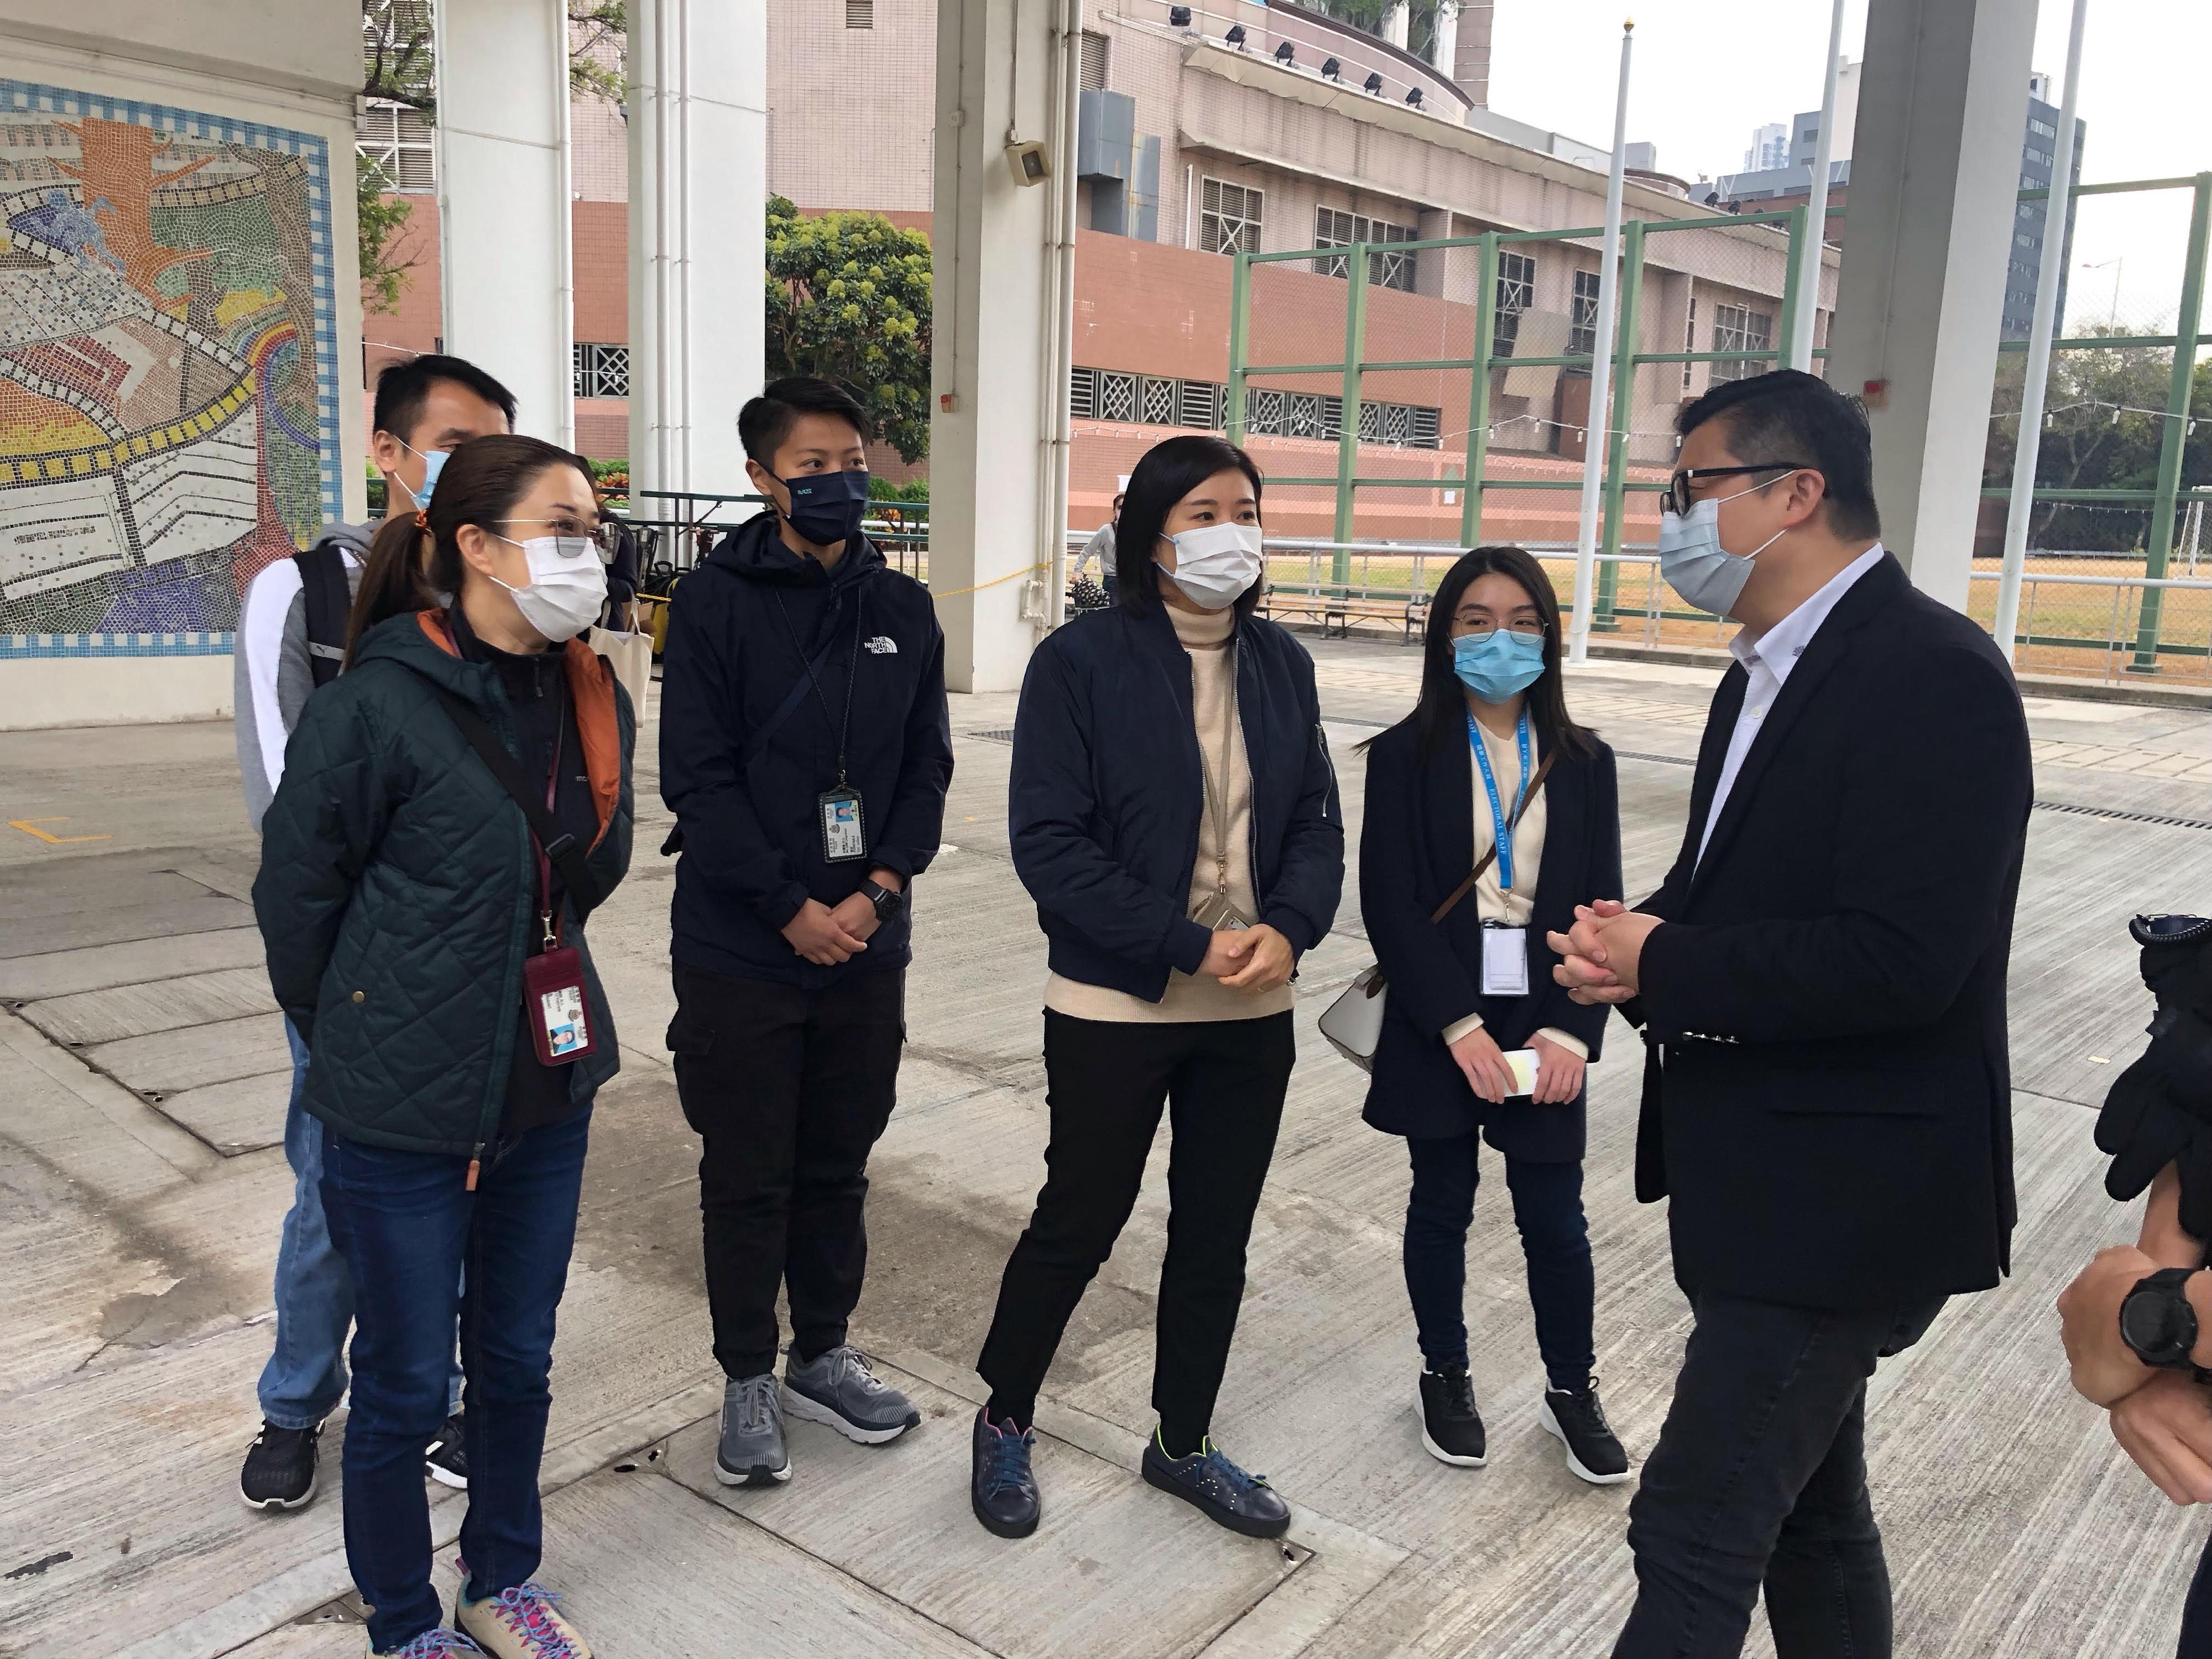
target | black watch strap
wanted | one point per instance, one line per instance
(2167, 1287)
(885, 900)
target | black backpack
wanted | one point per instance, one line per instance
(327, 603)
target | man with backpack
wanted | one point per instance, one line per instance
(291, 639)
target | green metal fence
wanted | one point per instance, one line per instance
(1649, 254)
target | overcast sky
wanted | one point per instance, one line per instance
(1708, 71)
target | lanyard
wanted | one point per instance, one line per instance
(852, 674)
(552, 789)
(1501, 826)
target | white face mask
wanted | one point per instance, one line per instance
(1216, 563)
(568, 585)
(1695, 564)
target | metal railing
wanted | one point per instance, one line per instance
(1485, 354)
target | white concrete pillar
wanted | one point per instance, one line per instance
(1942, 102)
(995, 454)
(698, 195)
(503, 202)
(1397, 24)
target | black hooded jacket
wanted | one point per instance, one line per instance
(742, 629)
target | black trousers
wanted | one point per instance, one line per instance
(1758, 1479)
(789, 1089)
(2197, 1614)
(1547, 1207)
(1223, 1083)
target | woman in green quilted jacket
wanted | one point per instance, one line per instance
(425, 931)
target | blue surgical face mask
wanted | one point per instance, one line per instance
(1498, 668)
(433, 463)
(1696, 566)
(827, 508)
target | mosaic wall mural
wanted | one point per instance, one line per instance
(168, 379)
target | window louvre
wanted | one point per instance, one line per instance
(1517, 293)
(1739, 328)
(601, 370)
(400, 142)
(1199, 404)
(859, 13)
(1117, 397)
(1335, 228)
(1229, 218)
(1582, 331)
(1092, 68)
(1083, 393)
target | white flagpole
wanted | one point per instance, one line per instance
(2048, 277)
(1599, 423)
(1816, 211)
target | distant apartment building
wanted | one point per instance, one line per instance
(1790, 181)
(1206, 129)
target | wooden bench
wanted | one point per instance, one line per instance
(1342, 606)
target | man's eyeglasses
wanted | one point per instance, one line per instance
(1524, 627)
(1678, 487)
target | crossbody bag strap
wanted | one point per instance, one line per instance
(560, 847)
(1483, 863)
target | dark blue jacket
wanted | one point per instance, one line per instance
(1416, 845)
(1107, 786)
(741, 631)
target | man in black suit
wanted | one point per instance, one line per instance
(1820, 982)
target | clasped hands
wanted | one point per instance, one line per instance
(1249, 959)
(1600, 955)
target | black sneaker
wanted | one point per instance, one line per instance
(1452, 1428)
(1594, 1451)
(280, 1468)
(1217, 1488)
(445, 1460)
(1001, 1490)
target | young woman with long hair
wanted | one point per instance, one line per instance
(1174, 814)
(425, 934)
(1490, 780)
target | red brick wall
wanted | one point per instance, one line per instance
(600, 257)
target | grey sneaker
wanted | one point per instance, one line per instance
(752, 1452)
(838, 1388)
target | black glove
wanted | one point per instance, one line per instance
(2160, 1109)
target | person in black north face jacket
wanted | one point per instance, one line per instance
(429, 946)
(806, 750)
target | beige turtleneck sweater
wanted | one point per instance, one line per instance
(1207, 635)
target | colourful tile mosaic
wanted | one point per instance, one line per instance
(169, 369)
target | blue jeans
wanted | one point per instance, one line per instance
(1547, 1207)
(407, 1227)
(305, 1376)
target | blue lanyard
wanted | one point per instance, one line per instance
(1500, 829)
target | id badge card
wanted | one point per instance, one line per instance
(1504, 960)
(1219, 912)
(553, 1002)
(844, 838)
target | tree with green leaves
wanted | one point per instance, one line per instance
(2104, 425)
(381, 219)
(848, 301)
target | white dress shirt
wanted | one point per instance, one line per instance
(1768, 659)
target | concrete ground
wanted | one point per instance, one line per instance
(142, 1078)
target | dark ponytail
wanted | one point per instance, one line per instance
(416, 558)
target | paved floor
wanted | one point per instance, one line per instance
(142, 1084)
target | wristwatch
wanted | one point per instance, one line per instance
(887, 903)
(2158, 1324)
